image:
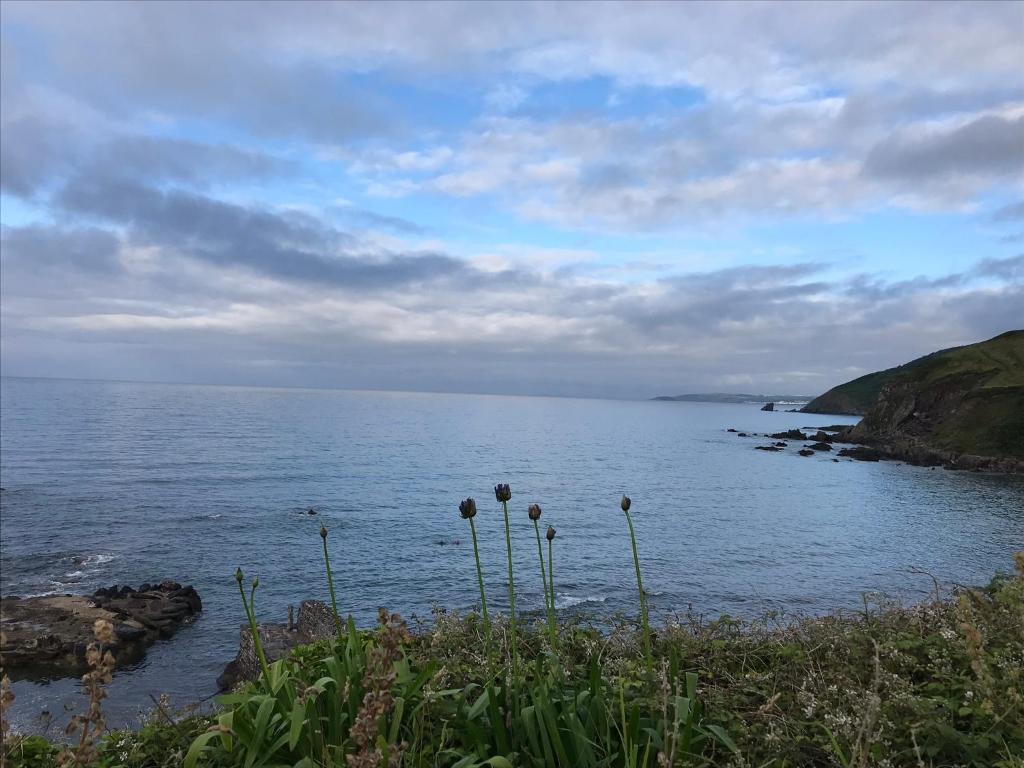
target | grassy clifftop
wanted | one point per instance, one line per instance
(998, 362)
(962, 401)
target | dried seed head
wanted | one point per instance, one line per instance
(502, 492)
(534, 511)
(625, 503)
(551, 533)
(467, 508)
(238, 575)
(323, 531)
(104, 631)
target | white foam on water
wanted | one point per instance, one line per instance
(569, 601)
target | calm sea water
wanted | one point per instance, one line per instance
(123, 483)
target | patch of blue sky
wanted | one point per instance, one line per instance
(602, 95)
(431, 103)
(894, 243)
(19, 212)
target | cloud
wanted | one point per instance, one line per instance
(233, 283)
(991, 145)
(1009, 269)
(1009, 213)
(285, 245)
(40, 148)
(365, 218)
(87, 249)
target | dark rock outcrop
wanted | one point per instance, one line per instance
(820, 446)
(767, 448)
(768, 407)
(863, 453)
(789, 434)
(44, 637)
(805, 452)
(316, 622)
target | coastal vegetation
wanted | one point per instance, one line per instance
(936, 684)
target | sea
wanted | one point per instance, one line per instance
(122, 483)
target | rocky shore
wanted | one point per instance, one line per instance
(315, 622)
(46, 637)
(863, 446)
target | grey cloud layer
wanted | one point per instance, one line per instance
(172, 277)
(288, 246)
(987, 145)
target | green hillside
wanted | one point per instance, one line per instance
(999, 362)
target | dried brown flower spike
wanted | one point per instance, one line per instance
(625, 503)
(534, 511)
(467, 508)
(502, 492)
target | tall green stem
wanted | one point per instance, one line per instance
(483, 596)
(551, 589)
(511, 597)
(544, 583)
(643, 596)
(330, 584)
(250, 613)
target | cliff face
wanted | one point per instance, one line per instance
(853, 398)
(958, 406)
(954, 415)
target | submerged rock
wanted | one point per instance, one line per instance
(805, 452)
(45, 637)
(766, 448)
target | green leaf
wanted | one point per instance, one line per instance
(724, 738)
(298, 718)
(198, 747)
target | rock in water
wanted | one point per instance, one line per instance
(316, 622)
(863, 453)
(789, 434)
(47, 636)
(768, 407)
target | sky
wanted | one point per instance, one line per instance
(583, 199)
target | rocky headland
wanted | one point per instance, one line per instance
(960, 408)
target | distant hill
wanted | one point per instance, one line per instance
(963, 401)
(730, 397)
(855, 398)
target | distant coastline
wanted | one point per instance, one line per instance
(730, 397)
